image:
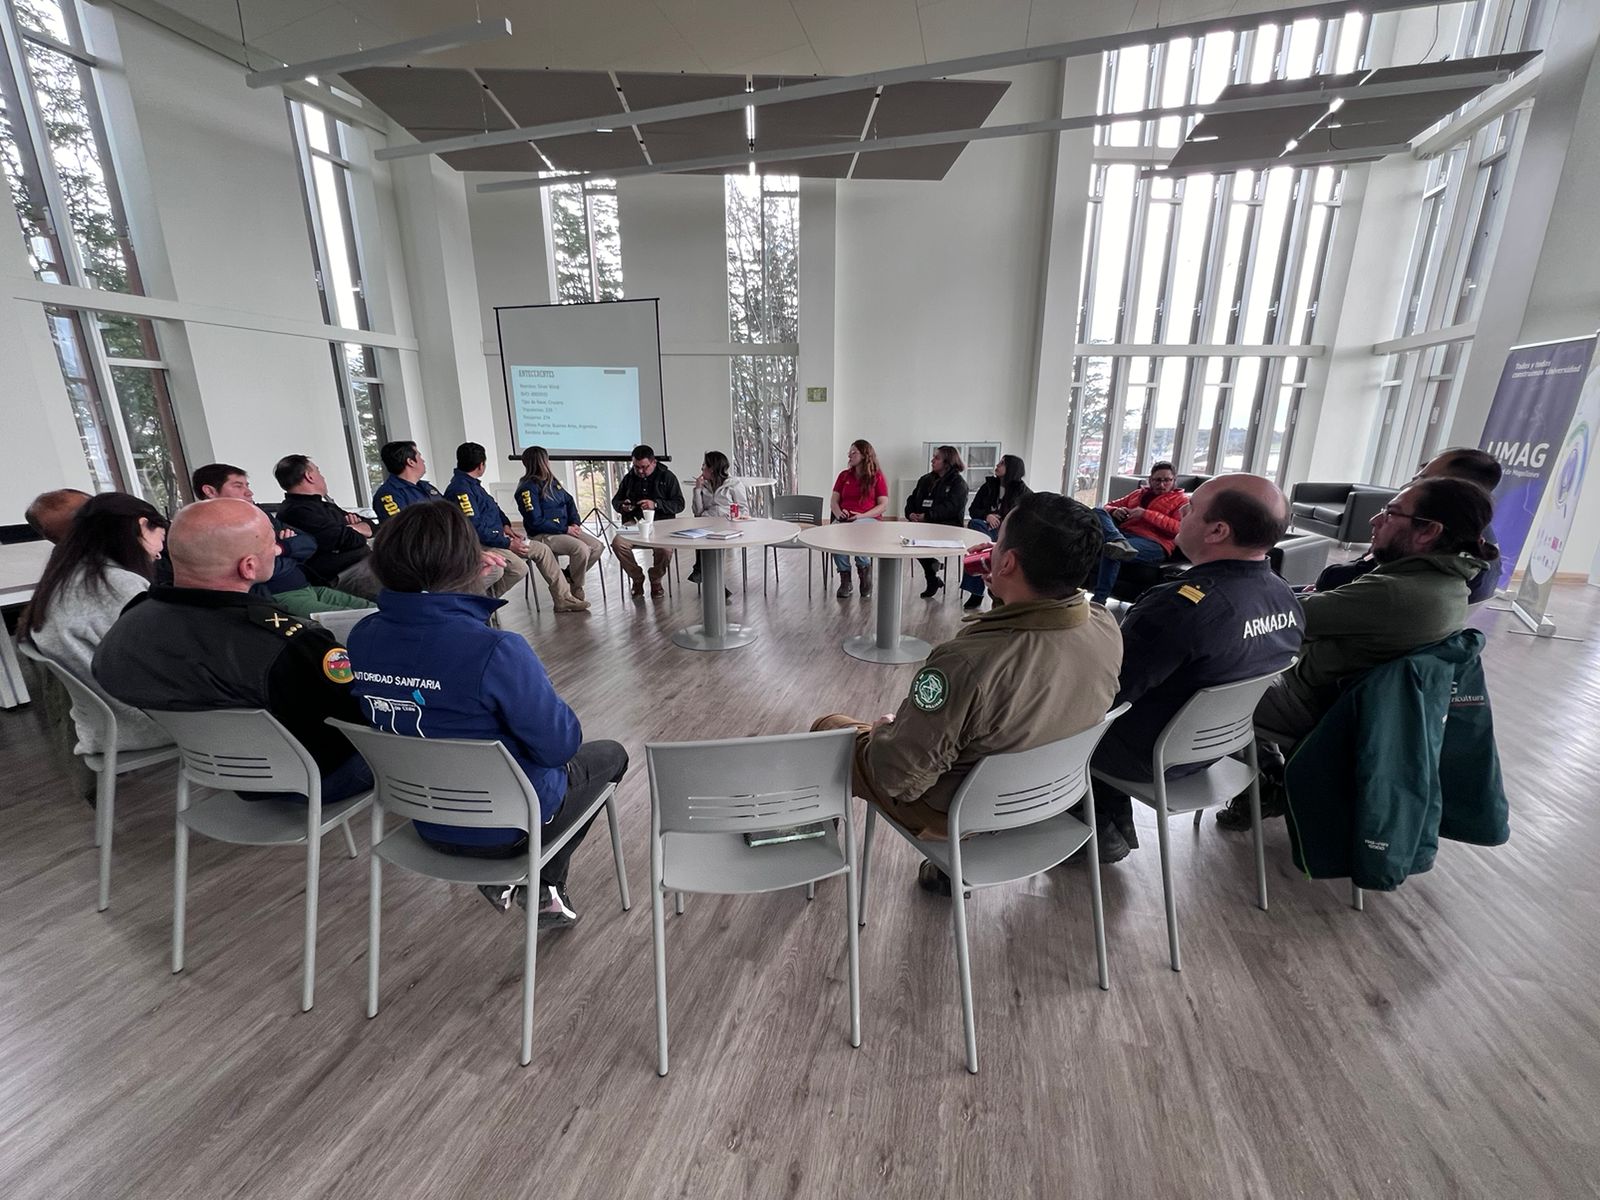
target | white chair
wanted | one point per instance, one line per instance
(1013, 811)
(1214, 723)
(475, 785)
(247, 750)
(1286, 743)
(341, 621)
(798, 510)
(705, 796)
(107, 765)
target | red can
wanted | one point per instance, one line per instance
(733, 511)
(976, 561)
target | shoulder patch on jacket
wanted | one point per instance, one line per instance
(465, 501)
(336, 665)
(1191, 593)
(930, 689)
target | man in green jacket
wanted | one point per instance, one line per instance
(1429, 544)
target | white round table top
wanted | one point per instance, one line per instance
(881, 539)
(757, 481)
(755, 531)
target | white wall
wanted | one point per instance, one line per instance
(674, 247)
(938, 294)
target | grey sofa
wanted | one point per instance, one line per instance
(1341, 511)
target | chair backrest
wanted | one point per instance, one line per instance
(745, 785)
(447, 781)
(1007, 791)
(802, 510)
(16, 535)
(85, 699)
(1214, 722)
(341, 621)
(240, 750)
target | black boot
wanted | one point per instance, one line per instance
(932, 590)
(845, 588)
(865, 575)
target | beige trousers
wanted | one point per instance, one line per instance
(624, 551)
(582, 549)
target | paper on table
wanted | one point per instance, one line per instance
(934, 543)
(691, 533)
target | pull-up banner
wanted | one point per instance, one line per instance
(1528, 430)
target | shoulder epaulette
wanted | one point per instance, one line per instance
(1191, 593)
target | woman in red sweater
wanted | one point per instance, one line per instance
(860, 493)
(1140, 527)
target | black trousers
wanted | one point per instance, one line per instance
(595, 767)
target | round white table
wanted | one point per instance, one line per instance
(714, 631)
(881, 539)
(754, 484)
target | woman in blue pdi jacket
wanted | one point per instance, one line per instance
(550, 515)
(428, 664)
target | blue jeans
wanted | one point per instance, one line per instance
(1110, 568)
(973, 584)
(841, 562)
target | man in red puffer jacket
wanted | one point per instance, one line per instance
(1140, 527)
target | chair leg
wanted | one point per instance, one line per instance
(180, 877)
(105, 802)
(1166, 886)
(744, 566)
(852, 931)
(1261, 845)
(811, 890)
(616, 850)
(678, 903)
(866, 855)
(349, 838)
(313, 872)
(529, 950)
(958, 909)
(1356, 901)
(1198, 813)
(659, 937)
(1096, 900)
(374, 923)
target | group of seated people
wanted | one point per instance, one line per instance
(1043, 663)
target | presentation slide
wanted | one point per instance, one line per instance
(575, 408)
(583, 380)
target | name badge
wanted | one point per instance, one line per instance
(927, 504)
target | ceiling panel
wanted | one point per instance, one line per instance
(930, 105)
(429, 97)
(593, 151)
(919, 162)
(812, 122)
(534, 97)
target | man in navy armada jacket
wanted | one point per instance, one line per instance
(494, 530)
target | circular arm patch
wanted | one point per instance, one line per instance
(930, 689)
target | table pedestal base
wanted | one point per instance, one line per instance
(887, 645)
(714, 631)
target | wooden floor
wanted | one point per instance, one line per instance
(1444, 1043)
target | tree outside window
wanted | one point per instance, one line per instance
(763, 228)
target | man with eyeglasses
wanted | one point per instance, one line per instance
(1461, 462)
(1139, 527)
(1427, 544)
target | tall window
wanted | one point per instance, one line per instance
(586, 256)
(58, 165)
(763, 223)
(327, 180)
(1458, 225)
(1205, 261)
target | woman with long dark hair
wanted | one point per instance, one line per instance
(550, 515)
(106, 559)
(860, 493)
(716, 492)
(480, 683)
(998, 495)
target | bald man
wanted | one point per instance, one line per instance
(1228, 618)
(206, 642)
(50, 515)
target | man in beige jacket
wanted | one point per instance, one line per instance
(1039, 667)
